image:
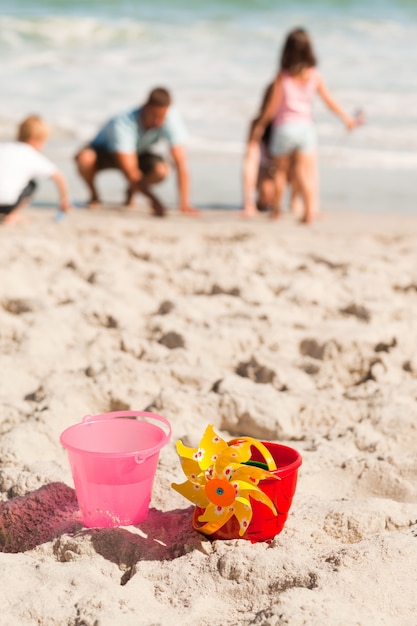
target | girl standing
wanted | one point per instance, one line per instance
(289, 107)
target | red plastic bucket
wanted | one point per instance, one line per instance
(265, 525)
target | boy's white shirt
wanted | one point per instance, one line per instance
(20, 163)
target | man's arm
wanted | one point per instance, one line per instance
(128, 164)
(183, 181)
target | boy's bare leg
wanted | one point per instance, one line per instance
(250, 177)
(266, 191)
(282, 164)
(295, 198)
(14, 217)
(86, 164)
(295, 193)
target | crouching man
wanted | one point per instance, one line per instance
(124, 143)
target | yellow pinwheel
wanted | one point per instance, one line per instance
(220, 480)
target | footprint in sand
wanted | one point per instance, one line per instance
(256, 372)
(357, 310)
(165, 307)
(217, 290)
(172, 340)
(18, 306)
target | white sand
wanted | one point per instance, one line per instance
(331, 310)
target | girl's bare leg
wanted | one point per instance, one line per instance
(306, 176)
(295, 194)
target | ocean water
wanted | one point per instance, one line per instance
(78, 62)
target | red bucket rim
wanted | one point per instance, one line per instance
(289, 467)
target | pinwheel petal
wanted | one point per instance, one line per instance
(239, 452)
(227, 461)
(243, 513)
(211, 446)
(212, 527)
(224, 470)
(185, 451)
(193, 492)
(267, 456)
(192, 470)
(251, 474)
(257, 494)
(216, 515)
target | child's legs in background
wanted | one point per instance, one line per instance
(250, 175)
(266, 186)
(286, 139)
(305, 170)
(282, 165)
(9, 214)
(295, 204)
(294, 146)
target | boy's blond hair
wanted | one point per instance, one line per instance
(33, 127)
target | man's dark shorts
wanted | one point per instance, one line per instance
(5, 209)
(147, 161)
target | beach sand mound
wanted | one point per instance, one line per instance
(304, 336)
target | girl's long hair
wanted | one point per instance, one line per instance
(297, 53)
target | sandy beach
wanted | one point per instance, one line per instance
(304, 336)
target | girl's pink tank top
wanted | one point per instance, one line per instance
(297, 98)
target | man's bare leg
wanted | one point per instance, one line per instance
(130, 197)
(86, 164)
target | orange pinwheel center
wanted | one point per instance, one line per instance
(220, 492)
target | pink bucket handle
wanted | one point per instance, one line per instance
(140, 457)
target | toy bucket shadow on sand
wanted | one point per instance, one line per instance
(264, 525)
(113, 459)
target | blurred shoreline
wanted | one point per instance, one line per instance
(216, 182)
(77, 63)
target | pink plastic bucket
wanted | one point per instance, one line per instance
(113, 463)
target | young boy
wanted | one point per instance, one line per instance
(21, 162)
